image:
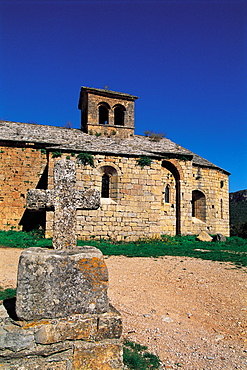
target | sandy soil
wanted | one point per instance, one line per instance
(192, 313)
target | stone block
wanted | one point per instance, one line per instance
(105, 355)
(58, 283)
(219, 238)
(62, 343)
(204, 237)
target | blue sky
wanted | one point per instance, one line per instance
(185, 60)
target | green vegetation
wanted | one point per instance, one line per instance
(85, 158)
(144, 161)
(178, 156)
(136, 357)
(21, 239)
(153, 136)
(7, 293)
(56, 154)
(238, 217)
(234, 250)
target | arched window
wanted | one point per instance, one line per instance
(198, 205)
(119, 115)
(105, 186)
(109, 182)
(103, 114)
(167, 193)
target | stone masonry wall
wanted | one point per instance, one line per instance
(214, 185)
(137, 207)
(21, 169)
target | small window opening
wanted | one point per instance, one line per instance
(105, 189)
(167, 194)
(222, 184)
(221, 209)
(103, 115)
(119, 115)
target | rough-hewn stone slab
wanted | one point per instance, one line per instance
(59, 283)
(58, 343)
(62, 343)
(103, 355)
(87, 327)
(40, 336)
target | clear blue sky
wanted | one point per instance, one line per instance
(186, 60)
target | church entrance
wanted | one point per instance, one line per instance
(174, 171)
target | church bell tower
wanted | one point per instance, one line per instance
(106, 113)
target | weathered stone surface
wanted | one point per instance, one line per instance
(13, 338)
(59, 283)
(105, 355)
(34, 363)
(219, 238)
(65, 199)
(86, 327)
(204, 237)
(74, 342)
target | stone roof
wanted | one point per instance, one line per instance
(60, 138)
(109, 93)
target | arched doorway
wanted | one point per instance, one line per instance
(198, 205)
(174, 171)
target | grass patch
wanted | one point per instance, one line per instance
(7, 293)
(233, 250)
(21, 239)
(135, 356)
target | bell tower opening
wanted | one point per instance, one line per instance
(119, 115)
(103, 114)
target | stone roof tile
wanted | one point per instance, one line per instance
(76, 140)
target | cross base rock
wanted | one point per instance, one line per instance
(59, 283)
(87, 341)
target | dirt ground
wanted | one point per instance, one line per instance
(192, 313)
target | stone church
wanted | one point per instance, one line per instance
(149, 185)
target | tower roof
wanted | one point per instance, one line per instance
(107, 93)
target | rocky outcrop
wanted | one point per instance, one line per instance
(238, 196)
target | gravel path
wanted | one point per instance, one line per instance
(192, 313)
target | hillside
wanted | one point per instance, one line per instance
(238, 213)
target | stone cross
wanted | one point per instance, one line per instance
(65, 198)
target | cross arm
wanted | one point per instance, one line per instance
(38, 199)
(87, 199)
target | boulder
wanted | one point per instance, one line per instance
(219, 238)
(204, 237)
